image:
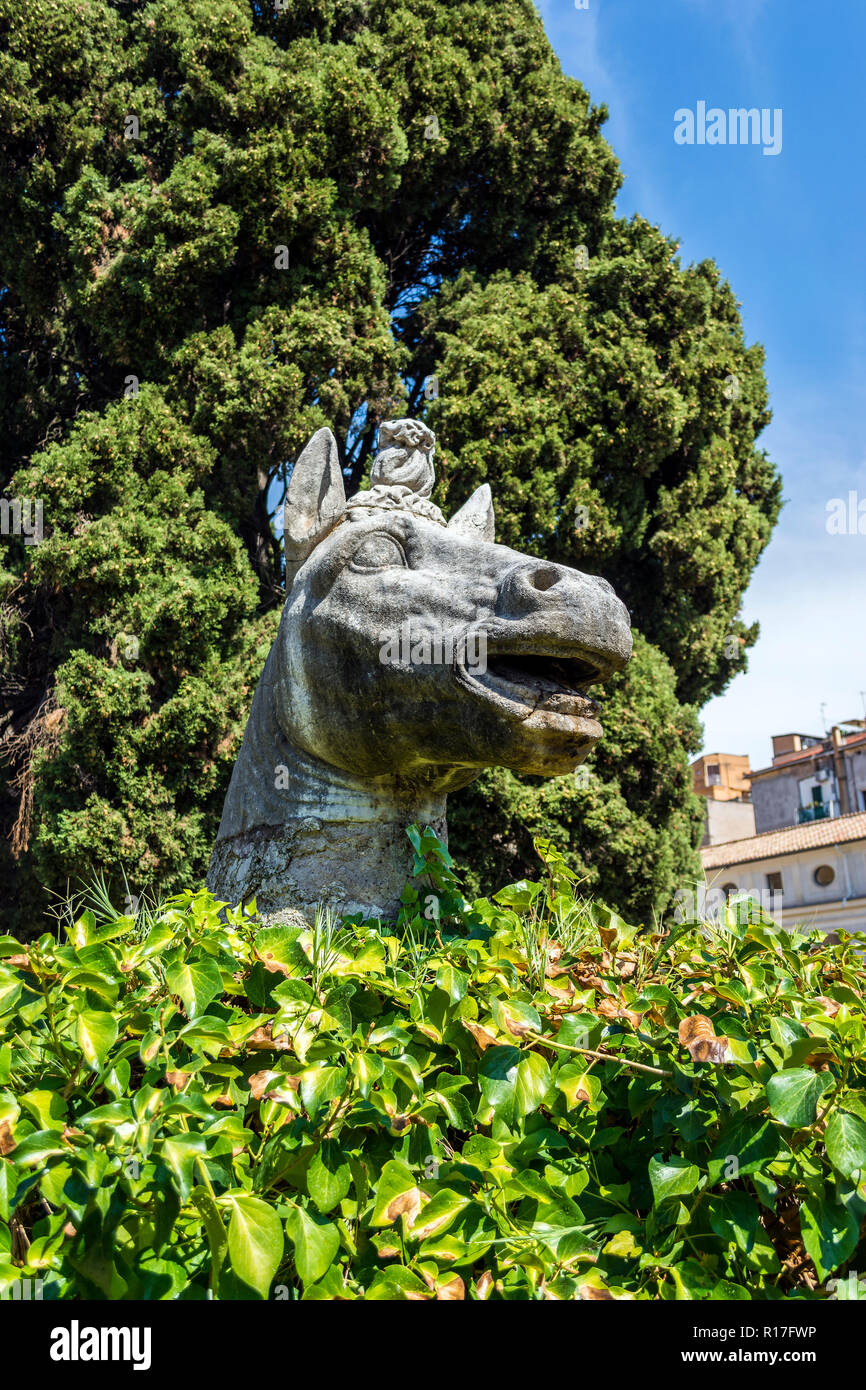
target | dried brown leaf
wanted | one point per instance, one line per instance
(517, 1027)
(260, 1081)
(831, 1006)
(554, 952)
(698, 1035)
(614, 1008)
(263, 1040)
(561, 992)
(694, 1027)
(452, 1291)
(482, 1036)
(589, 1293)
(408, 1204)
(625, 965)
(820, 1061)
(714, 1050)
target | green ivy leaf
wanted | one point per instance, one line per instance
(845, 1141)
(9, 1177)
(10, 992)
(96, 1034)
(367, 1067)
(116, 1118)
(255, 1242)
(514, 1083)
(315, 1243)
(453, 982)
(37, 1147)
(515, 1017)
(518, 895)
(735, 1217)
(672, 1177)
(321, 1085)
(830, 1233)
(793, 1095)
(395, 1283)
(745, 1146)
(328, 1176)
(279, 945)
(197, 982)
(579, 1086)
(180, 1153)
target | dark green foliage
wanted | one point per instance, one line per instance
(412, 246)
(516, 1099)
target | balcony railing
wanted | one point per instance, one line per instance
(816, 812)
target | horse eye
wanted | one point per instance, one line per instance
(377, 552)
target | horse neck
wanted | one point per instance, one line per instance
(275, 781)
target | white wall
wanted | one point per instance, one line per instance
(729, 820)
(804, 900)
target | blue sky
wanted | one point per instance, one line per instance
(789, 233)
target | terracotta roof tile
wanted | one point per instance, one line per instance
(811, 835)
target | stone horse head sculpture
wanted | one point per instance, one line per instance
(411, 654)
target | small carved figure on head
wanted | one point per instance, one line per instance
(402, 474)
(405, 456)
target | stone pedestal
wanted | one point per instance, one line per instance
(358, 866)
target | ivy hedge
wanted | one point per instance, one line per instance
(519, 1098)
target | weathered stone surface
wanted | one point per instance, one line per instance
(350, 866)
(411, 655)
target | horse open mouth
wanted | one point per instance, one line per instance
(527, 684)
(544, 676)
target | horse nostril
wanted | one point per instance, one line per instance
(543, 579)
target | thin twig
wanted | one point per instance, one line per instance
(599, 1056)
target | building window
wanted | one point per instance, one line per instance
(824, 875)
(714, 774)
(774, 882)
(729, 889)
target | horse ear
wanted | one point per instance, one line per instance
(315, 500)
(475, 518)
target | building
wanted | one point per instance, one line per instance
(723, 779)
(722, 776)
(812, 778)
(811, 874)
